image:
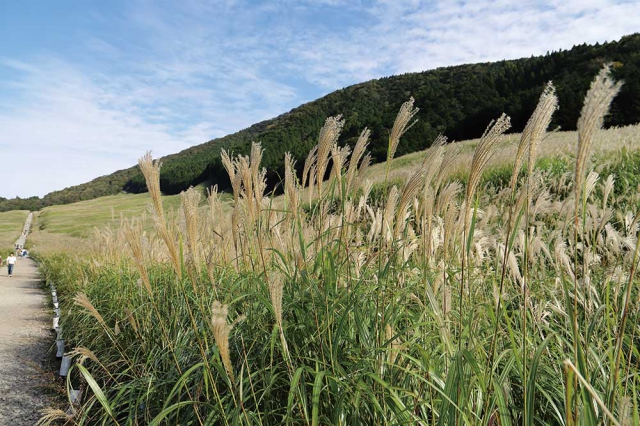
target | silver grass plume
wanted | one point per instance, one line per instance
(246, 194)
(190, 203)
(258, 177)
(312, 182)
(533, 131)
(256, 159)
(400, 126)
(607, 190)
(448, 158)
(362, 170)
(276, 286)
(483, 153)
(234, 177)
(409, 192)
(221, 330)
(151, 172)
(339, 157)
(82, 300)
(433, 158)
(215, 210)
(596, 106)
(311, 160)
(326, 140)
(291, 186)
(590, 183)
(356, 155)
(133, 233)
(547, 105)
(431, 163)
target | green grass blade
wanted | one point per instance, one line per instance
(315, 399)
(97, 391)
(531, 385)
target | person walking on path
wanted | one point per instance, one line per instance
(11, 261)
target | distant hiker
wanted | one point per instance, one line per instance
(0, 260)
(11, 261)
(24, 253)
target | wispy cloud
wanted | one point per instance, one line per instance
(166, 75)
(411, 35)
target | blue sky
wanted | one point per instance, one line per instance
(86, 88)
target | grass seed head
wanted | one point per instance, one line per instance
(133, 233)
(51, 416)
(276, 286)
(221, 330)
(400, 126)
(83, 354)
(547, 105)
(292, 195)
(328, 138)
(190, 202)
(481, 156)
(309, 162)
(596, 106)
(82, 300)
(533, 131)
(356, 156)
(151, 171)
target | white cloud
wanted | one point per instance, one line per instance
(409, 35)
(72, 122)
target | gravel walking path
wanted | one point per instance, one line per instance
(24, 341)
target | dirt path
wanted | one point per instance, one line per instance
(24, 342)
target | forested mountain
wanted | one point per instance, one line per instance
(457, 101)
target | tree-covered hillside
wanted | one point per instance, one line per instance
(458, 102)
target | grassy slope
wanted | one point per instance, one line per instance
(78, 220)
(11, 224)
(555, 145)
(66, 227)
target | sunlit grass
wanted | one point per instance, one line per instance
(11, 224)
(79, 219)
(462, 295)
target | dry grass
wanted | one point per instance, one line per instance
(552, 146)
(68, 227)
(11, 224)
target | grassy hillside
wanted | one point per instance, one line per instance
(455, 101)
(77, 221)
(11, 224)
(68, 227)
